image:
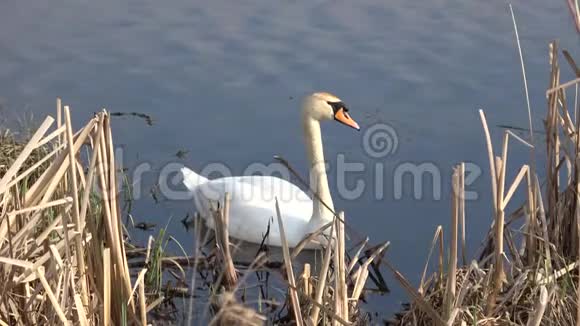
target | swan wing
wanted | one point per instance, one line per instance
(253, 208)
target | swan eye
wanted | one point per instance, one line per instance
(336, 106)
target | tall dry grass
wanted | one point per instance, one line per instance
(62, 253)
(528, 271)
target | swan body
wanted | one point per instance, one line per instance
(252, 207)
(252, 198)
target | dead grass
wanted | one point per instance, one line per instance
(527, 275)
(61, 249)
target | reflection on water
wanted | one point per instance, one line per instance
(222, 80)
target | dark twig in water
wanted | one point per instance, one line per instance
(181, 154)
(154, 191)
(145, 226)
(185, 221)
(143, 116)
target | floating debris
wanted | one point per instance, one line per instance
(145, 226)
(181, 154)
(143, 116)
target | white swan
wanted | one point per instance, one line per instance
(252, 203)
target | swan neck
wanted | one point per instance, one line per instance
(318, 177)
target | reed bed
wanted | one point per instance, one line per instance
(62, 252)
(528, 270)
(325, 294)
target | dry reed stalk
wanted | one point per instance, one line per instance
(556, 275)
(59, 124)
(50, 137)
(461, 212)
(91, 176)
(107, 178)
(55, 305)
(560, 87)
(539, 308)
(452, 268)
(577, 215)
(111, 238)
(289, 272)
(524, 172)
(155, 303)
(575, 12)
(81, 269)
(305, 278)
(552, 138)
(490, 155)
(498, 271)
(230, 270)
(544, 224)
(525, 81)
(438, 235)
(106, 312)
(356, 256)
(340, 291)
(115, 210)
(441, 255)
(322, 279)
(115, 207)
(198, 243)
(142, 301)
(140, 276)
(59, 202)
(81, 314)
(16, 262)
(310, 238)
(221, 219)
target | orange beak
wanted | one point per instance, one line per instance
(343, 117)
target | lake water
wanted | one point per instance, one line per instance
(222, 81)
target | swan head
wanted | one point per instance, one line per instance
(325, 106)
